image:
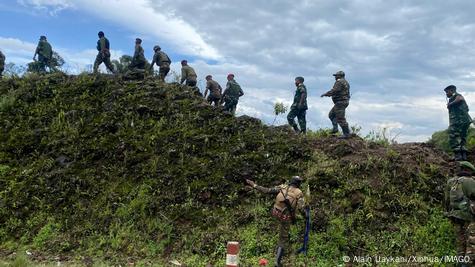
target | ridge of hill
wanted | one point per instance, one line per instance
(94, 168)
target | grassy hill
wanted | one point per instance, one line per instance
(95, 169)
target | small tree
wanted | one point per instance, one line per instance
(56, 62)
(279, 108)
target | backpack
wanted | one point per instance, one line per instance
(286, 202)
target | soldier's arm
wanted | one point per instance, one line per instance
(98, 46)
(456, 101)
(302, 98)
(183, 75)
(241, 92)
(154, 60)
(220, 89)
(208, 85)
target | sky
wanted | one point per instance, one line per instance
(398, 55)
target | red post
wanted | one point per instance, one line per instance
(232, 256)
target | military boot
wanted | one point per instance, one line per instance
(296, 128)
(278, 257)
(346, 132)
(335, 127)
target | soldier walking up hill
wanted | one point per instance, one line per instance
(231, 94)
(103, 55)
(299, 107)
(162, 60)
(45, 55)
(340, 94)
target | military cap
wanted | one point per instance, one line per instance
(42, 37)
(230, 75)
(296, 180)
(157, 47)
(138, 40)
(339, 73)
(450, 88)
(184, 62)
(299, 78)
(466, 165)
(101, 33)
(209, 76)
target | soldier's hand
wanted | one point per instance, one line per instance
(249, 182)
(323, 95)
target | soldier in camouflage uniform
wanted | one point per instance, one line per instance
(214, 89)
(104, 54)
(340, 94)
(459, 122)
(188, 74)
(45, 55)
(162, 60)
(2, 63)
(138, 60)
(231, 95)
(299, 107)
(289, 199)
(460, 192)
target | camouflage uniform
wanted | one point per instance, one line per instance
(459, 122)
(138, 61)
(283, 214)
(460, 194)
(340, 94)
(104, 55)
(188, 74)
(163, 61)
(299, 111)
(215, 91)
(231, 96)
(2, 63)
(45, 55)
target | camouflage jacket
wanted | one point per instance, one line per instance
(340, 91)
(214, 88)
(460, 197)
(458, 113)
(187, 74)
(138, 54)
(301, 89)
(161, 59)
(103, 44)
(44, 49)
(233, 90)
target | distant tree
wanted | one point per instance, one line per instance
(441, 140)
(122, 65)
(56, 62)
(279, 108)
(14, 70)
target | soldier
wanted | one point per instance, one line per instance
(162, 60)
(288, 201)
(232, 94)
(299, 107)
(138, 61)
(460, 192)
(459, 122)
(340, 94)
(188, 74)
(104, 54)
(45, 54)
(2, 63)
(214, 89)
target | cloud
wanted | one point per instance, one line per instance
(52, 7)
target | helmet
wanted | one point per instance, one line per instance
(157, 47)
(296, 180)
(138, 40)
(208, 77)
(450, 88)
(339, 73)
(466, 165)
(230, 75)
(184, 62)
(299, 78)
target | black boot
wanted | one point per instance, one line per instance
(346, 132)
(296, 128)
(278, 257)
(335, 127)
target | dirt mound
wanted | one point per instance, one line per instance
(114, 169)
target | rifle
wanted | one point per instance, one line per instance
(304, 247)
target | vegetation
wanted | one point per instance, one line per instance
(97, 170)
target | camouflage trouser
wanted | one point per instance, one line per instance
(337, 113)
(458, 136)
(300, 114)
(43, 62)
(215, 99)
(163, 72)
(230, 105)
(100, 58)
(284, 233)
(2, 68)
(465, 239)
